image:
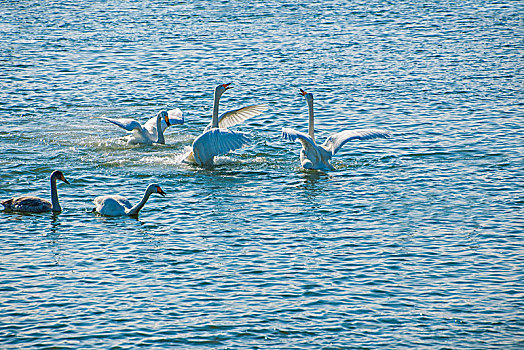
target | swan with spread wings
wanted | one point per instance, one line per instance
(152, 131)
(217, 139)
(314, 156)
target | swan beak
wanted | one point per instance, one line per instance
(64, 179)
(226, 86)
(167, 121)
(302, 92)
(161, 192)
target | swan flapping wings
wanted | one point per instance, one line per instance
(313, 156)
(152, 131)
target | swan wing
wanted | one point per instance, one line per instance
(28, 204)
(124, 123)
(150, 126)
(175, 117)
(334, 142)
(237, 116)
(216, 142)
(306, 140)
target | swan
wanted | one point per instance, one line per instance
(149, 132)
(313, 156)
(32, 204)
(116, 205)
(216, 138)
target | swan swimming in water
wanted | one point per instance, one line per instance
(313, 156)
(32, 204)
(152, 131)
(116, 205)
(216, 138)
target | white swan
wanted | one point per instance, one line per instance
(313, 156)
(216, 138)
(118, 206)
(32, 204)
(149, 132)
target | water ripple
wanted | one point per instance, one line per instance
(413, 241)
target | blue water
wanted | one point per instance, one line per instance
(412, 242)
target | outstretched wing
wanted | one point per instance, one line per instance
(175, 117)
(336, 141)
(234, 117)
(124, 123)
(306, 140)
(216, 142)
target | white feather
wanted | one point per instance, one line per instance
(216, 142)
(334, 142)
(114, 205)
(237, 116)
(125, 123)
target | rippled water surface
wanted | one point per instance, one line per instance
(412, 242)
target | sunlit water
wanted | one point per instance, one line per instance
(412, 242)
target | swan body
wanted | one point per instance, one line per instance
(314, 156)
(116, 205)
(217, 139)
(152, 131)
(31, 204)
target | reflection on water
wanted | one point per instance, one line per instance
(312, 188)
(55, 222)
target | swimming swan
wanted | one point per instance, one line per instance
(313, 156)
(118, 206)
(148, 133)
(32, 204)
(216, 138)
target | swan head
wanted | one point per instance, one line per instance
(220, 89)
(57, 174)
(308, 96)
(163, 114)
(154, 188)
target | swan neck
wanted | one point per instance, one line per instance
(159, 130)
(134, 210)
(54, 196)
(311, 126)
(214, 118)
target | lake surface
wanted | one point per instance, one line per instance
(415, 241)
